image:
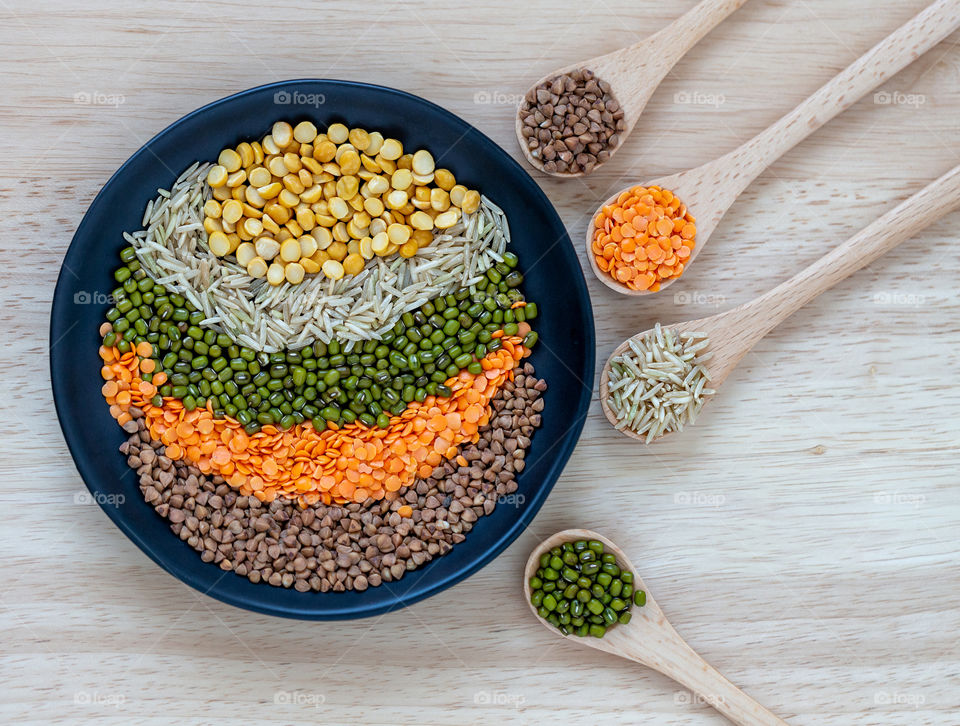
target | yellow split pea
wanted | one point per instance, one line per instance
(300, 202)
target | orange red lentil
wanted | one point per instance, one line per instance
(337, 465)
(644, 237)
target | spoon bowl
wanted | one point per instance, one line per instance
(710, 190)
(722, 363)
(647, 621)
(635, 71)
(649, 639)
(702, 189)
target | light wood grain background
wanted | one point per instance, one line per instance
(803, 536)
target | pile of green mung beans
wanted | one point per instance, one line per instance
(580, 589)
(321, 382)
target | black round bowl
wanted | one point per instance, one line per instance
(565, 355)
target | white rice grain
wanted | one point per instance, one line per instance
(658, 385)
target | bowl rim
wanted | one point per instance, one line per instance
(419, 591)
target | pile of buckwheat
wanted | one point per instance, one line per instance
(343, 547)
(571, 122)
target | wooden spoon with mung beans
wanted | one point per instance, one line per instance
(732, 334)
(649, 639)
(633, 73)
(708, 191)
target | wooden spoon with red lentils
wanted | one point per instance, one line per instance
(644, 237)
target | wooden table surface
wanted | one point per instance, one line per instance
(803, 536)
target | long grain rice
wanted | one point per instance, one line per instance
(658, 385)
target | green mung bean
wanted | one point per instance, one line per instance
(409, 363)
(580, 589)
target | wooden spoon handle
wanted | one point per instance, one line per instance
(906, 220)
(679, 661)
(689, 29)
(880, 63)
(635, 70)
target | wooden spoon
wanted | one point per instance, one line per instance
(650, 639)
(733, 333)
(710, 190)
(634, 72)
